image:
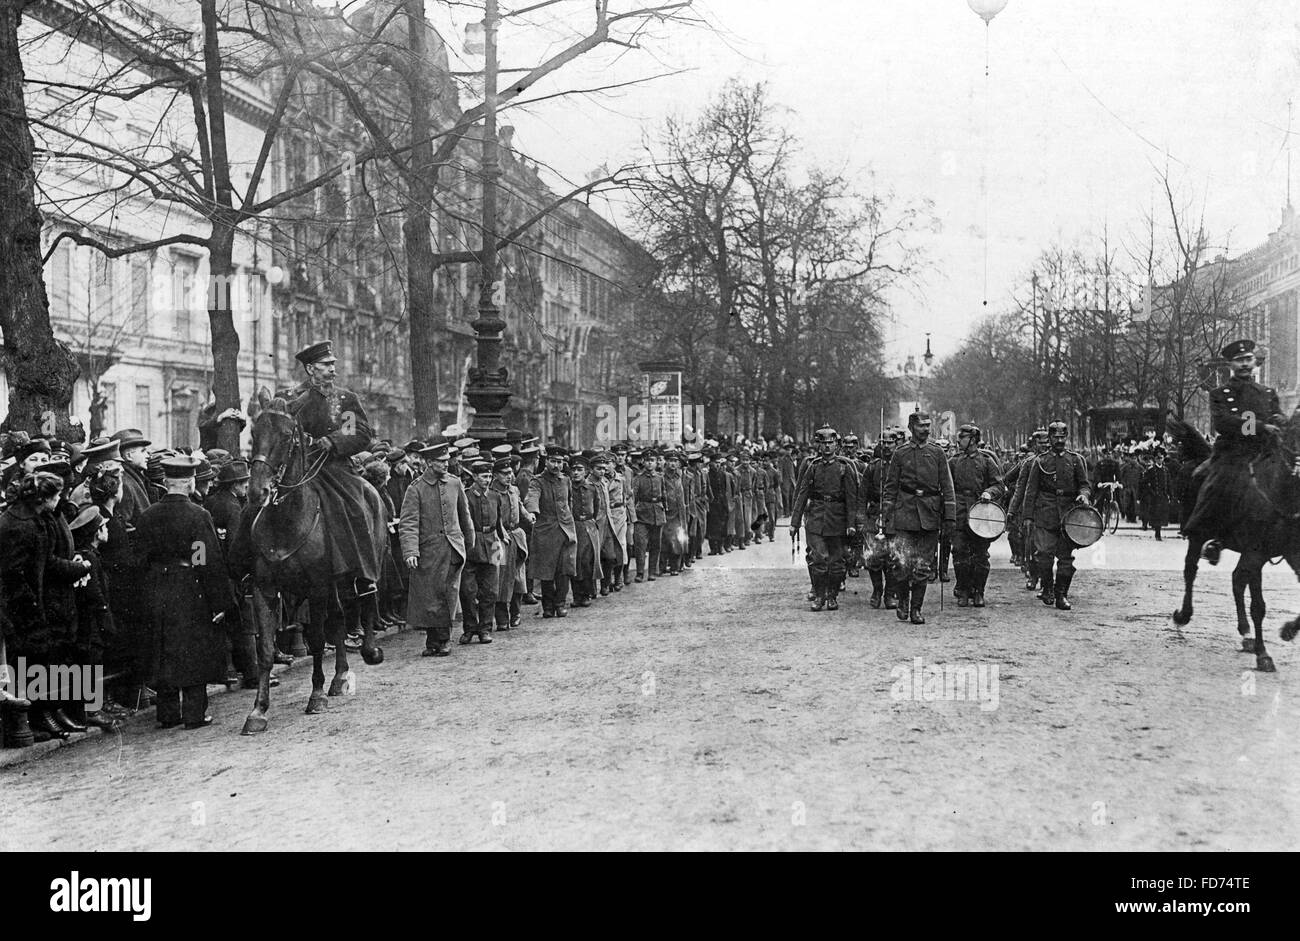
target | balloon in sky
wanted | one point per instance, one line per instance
(987, 8)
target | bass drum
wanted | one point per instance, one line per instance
(1083, 525)
(986, 520)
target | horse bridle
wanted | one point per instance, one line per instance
(277, 478)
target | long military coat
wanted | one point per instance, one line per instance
(919, 494)
(614, 535)
(1053, 486)
(435, 526)
(827, 497)
(553, 545)
(972, 475)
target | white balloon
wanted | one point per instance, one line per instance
(987, 9)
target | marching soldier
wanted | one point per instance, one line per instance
(919, 503)
(1057, 480)
(436, 533)
(1248, 419)
(720, 495)
(478, 584)
(976, 478)
(648, 498)
(511, 575)
(878, 566)
(1022, 518)
(828, 495)
(553, 545)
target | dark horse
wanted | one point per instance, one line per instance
(1274, 521)
(290, 561)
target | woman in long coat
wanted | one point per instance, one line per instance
(37, 578)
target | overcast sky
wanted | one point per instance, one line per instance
(1085, 100)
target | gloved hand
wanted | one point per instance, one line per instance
(986, 497)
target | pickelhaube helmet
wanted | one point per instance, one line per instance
(850, 441)
(1058, 429)
(826, 435)
(970, 428)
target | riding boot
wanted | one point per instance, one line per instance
(918, 599)
(977, 591)
(891, 594)
(818, 591)
(1062, 590)
(904, 609)
(962, 590)
(1048, 594)
(877, 588)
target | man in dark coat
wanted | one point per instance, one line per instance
(976, 478)
(1057, 481)
(1155, 492)
(187, 591)
(1248, 419)
(436, 534)
(351, 516)
(827, 495)
(673, 540)
(884, 587)
(553, 543)
(717, 522)
(919, 502)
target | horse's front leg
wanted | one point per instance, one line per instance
(1292, 627)
(1263, 662)
(337, 631)
(1240, 581)
(1184, 614)
(265, 611)
(318, 609)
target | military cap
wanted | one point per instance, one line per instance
(970, 428)
(636, 455)
(470, 455)
(60, 467)
(695, 456)
(394, 456)
(673, 456)
(602, 457)
(130, 438)
(465, 443)
(179, 466)
(556, 450)
(502, 451)
(620, 447)
(579, 460)
(414, 446)
(435, 452)
(502, 464)
(1057, 428)
(99, 453)
(480, 467)
(322, 352)
(88, 517)
(917, 418)
(233, 472)
(1238, 348)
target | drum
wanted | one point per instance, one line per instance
(986, 520)
(1083, 525)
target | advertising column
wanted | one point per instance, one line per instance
(663, 396)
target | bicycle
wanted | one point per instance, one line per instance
(1108, 505)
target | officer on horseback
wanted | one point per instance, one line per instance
(1248, 419)
(336, 422)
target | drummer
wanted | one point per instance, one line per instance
(976, 478)
(1057, 481)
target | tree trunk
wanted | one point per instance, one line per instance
(221, 243)
(422, 318)
(42, 371)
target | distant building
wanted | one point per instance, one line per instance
(1266, 283)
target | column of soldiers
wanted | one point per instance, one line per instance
(898, 509)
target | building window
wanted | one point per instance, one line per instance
(109, 391)
(143, 410)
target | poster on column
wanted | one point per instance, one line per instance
(664, 397)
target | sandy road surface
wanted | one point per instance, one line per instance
(714, 711)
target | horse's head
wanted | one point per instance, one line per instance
(275, 435)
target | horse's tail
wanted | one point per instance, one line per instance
(1193, 444)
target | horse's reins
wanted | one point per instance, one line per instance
(274, 495)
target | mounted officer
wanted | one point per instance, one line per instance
(1248, 419)
(919, 503)
(1057, 480)
(351, 514)
(976, 478)
(828, 495)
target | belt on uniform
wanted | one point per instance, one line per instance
(583, 519)
(920, 492)
(824, 497)
(485, 529)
